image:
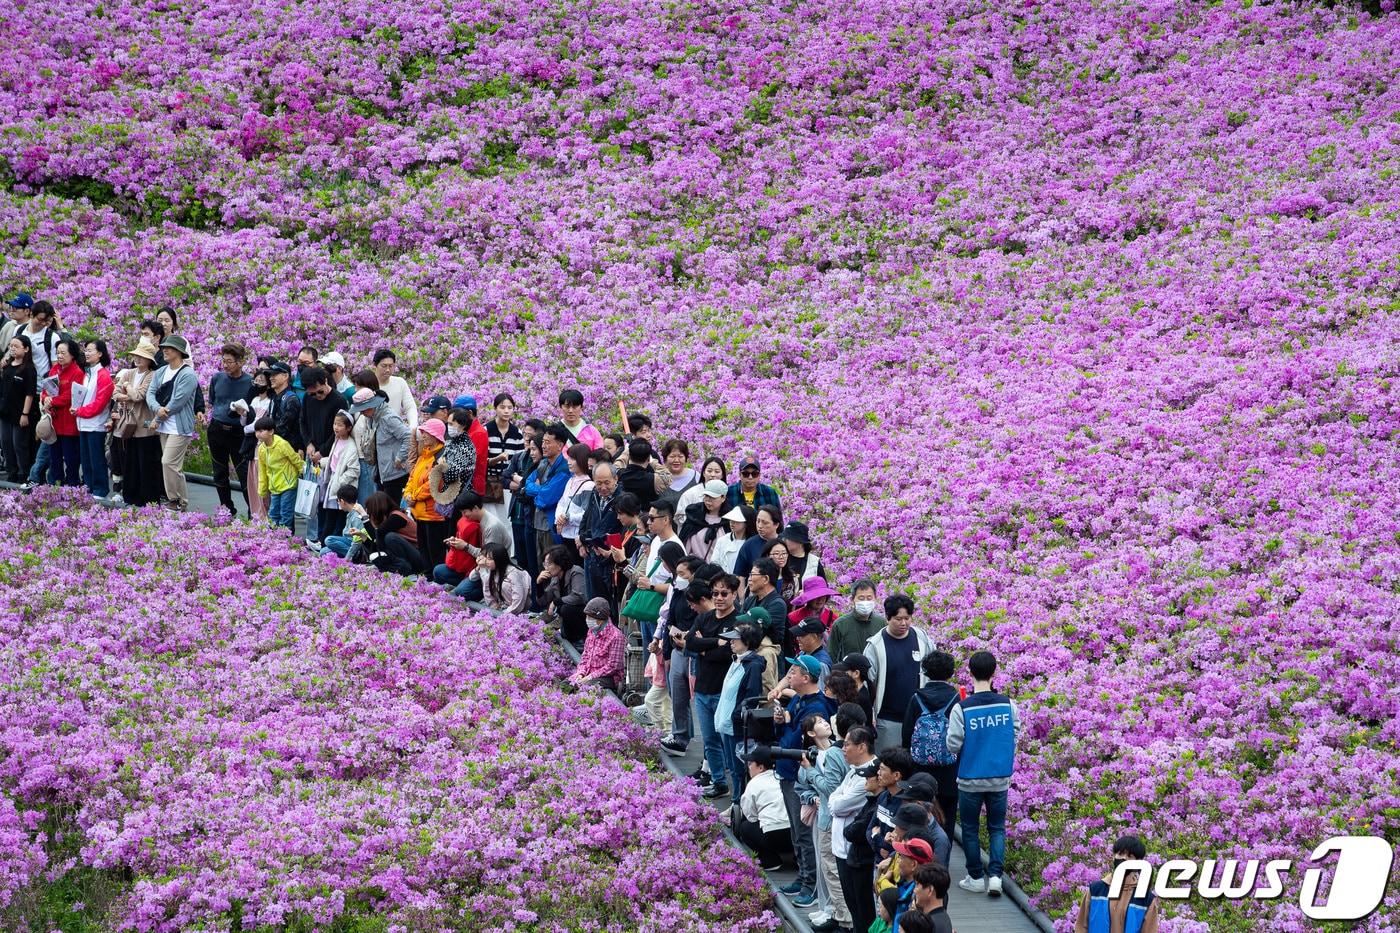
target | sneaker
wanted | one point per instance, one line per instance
(26, 486)
(973, 885)
(805, 899)
(817, 917)
(994, 886)
(97, 497)
(777, 867)
(717, 789)
(174, 507)
(673, 747)
(825, 925)
(117, 499)
(791, 889)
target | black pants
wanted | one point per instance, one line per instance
(572, 625)
(770, 846)
(142, 481)
(225, 447)
(857, 886)
(399, 556)
(329, 522)
(18, 445)
(430, 538)
(394, 489)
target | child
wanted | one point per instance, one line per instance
(279, 468)
(348, 498)
(888, 903)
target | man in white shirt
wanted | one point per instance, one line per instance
(396, 389)
(661, 522)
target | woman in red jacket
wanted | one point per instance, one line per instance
(63, 465)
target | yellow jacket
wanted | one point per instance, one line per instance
(279, 466)
(417, 491)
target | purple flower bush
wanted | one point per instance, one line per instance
(246, 736)
(1075, 320)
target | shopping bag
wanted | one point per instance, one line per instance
(306, 492)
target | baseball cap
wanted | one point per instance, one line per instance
(436, 404)
(910, 816)
(757, 615)
(917, 849)
(869, 769)
(748, 462)
(598, 608)
(729, 634)
(808, 627)
(277, 366)
(716, 489)
(920, 786)
(858, 661)
(333, 359)
(465, 401)
(22, 302)
(808, 663)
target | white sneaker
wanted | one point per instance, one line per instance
(973, 885)
(818, 917)
(994, 886)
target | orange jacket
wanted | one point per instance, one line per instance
(419, 495)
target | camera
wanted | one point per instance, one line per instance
(759, 729)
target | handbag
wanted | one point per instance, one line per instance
(165, 391)
(44, 430)
(306, 493)
(645, 605)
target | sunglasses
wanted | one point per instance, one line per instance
(749, 473)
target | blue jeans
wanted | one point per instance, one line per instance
(705, 706)
(40, 469)
(64, 462)
(282, 509)
(970, 813)
(92, 455)
(738, 772)
(339, 545)
(444, 575)
(367, 487)
(470, 590)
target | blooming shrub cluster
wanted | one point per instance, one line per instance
(1076, 318)
(232, 735)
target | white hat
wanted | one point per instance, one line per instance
(716, 488)
(334, 359)
(735, 514)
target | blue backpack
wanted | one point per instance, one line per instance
(930, 742)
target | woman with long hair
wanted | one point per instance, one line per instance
(565, 593)
(19, 408)
(569, 511)
(92, 407)
(776, 551)
(505, 587)
(395, 545)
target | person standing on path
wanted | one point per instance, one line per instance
(984, 729)
(171, 396)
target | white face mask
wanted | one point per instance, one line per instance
(454, 431)
(864, 607)
(680, 583)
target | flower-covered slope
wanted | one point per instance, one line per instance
(1075, 319)
(219, 731)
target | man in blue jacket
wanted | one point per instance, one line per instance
(984, 728)
(545, 486)
(808, 700)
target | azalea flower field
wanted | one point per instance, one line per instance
(1076, 320)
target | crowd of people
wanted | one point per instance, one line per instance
(832, 723)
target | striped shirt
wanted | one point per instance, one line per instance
(511, 443)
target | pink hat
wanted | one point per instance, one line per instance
(813, 588)
(434, 428)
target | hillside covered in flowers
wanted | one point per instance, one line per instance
(1077, 320)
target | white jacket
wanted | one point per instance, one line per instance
(875, 651)
(762, 802)
(846, 802)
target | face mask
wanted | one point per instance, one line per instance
(864, 607)
(681, 583)
(454, 431)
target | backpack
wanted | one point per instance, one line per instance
(930, 743)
